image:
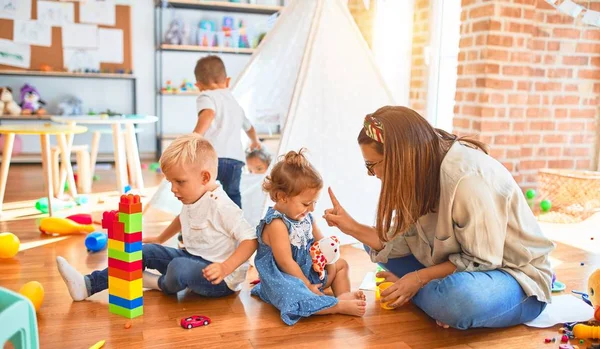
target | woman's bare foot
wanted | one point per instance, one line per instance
(359, 295)
(441, 324)
(352, 307)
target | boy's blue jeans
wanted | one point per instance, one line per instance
(471, 299)
(179, 269)
(230, 176)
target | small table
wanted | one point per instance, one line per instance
(44, 131)
(129, 152)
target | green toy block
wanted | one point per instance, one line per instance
(133, 222)
(124, 256)
(128, 313)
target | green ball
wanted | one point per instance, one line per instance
(96, 177)
(546, 205)
(530, 194)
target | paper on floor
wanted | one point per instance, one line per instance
(368, 283)
(565, 308)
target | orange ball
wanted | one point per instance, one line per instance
(34, 291)
(128, 325)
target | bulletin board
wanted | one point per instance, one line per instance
(53, 55)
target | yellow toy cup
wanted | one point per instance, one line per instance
(382, 287)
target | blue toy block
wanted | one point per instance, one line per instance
(133, 247)
(19, 324)
(125, 303)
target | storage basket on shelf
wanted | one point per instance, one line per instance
(575, 194)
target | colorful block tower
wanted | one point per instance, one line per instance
(125, 257)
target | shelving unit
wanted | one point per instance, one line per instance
(170, 112)
(196, 48)
(32, 157)
(223, 6)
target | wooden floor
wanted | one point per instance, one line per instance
(239, 321)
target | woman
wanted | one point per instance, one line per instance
(453, 228)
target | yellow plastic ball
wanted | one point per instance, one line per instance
(9, 245)
(34, 291)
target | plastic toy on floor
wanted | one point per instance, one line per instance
(585, 330)
(8, 106)
(96, 241)
(63, 226)
(34, 291)
(9, 245)
(57, 205)
(31, 101)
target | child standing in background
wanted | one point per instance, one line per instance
(285, 236)
(220, 119)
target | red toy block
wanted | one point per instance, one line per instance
(133, 237)
(125, 275)
(117, 232)
(128, 267)
(130, 204)
(108, 217)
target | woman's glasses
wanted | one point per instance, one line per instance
(371, 165)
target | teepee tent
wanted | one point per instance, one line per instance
(315, 73)
(315, 78)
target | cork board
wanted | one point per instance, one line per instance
(53, 55)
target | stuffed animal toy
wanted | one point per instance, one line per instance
(31, 101)
(71, 106)
(7, 104)
(323, 252)
(594, 292)
(178, 33)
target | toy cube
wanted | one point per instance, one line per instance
(108, 217)
(117, 232)
(133, 247)
(133, 222)
(128, 313)
(124, 256)
(125, 266)
(125, 288)
(125, 303)
(133, 237)
(130, 204)
(116, 245)
(125, 275)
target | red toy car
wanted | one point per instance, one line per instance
(195, 321)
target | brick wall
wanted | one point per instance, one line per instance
(364, 18)
(418, 78)
(528, 84)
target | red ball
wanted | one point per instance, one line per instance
(564, 338)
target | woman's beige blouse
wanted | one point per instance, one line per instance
(483, 223)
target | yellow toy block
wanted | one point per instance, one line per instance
(116, 245)
(125, 289)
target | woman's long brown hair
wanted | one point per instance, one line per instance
(412, 151)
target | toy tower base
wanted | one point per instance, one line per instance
(125, 257)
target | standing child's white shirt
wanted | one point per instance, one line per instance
(224, 131)
(212, 228)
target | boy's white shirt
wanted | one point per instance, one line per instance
(212, 228)
(224, 131)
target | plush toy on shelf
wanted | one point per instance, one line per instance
(31, 102)
(227, 28)
(71, 106)
(243, 41)
(7, 104)
(206, 33)
(178, 33)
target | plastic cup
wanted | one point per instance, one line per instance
(382, 287)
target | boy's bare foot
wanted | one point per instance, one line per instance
(352, 307)
(441, 324)
(359, 295)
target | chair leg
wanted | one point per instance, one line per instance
(84, 178)
(55, 164)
